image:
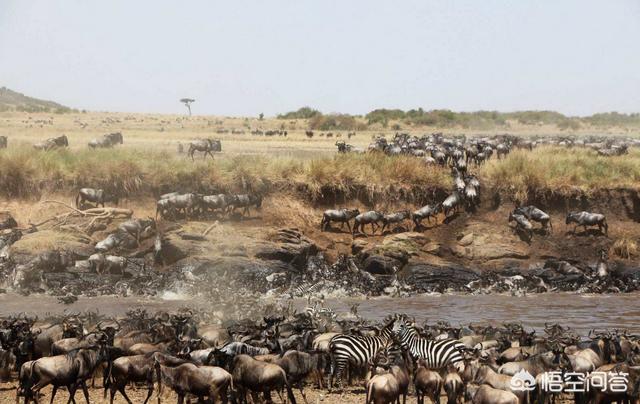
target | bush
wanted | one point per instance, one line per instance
(302, 113)
(334, 122)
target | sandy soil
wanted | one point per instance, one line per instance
(353, 394)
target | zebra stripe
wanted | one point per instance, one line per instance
(436, 354)
(356, 350)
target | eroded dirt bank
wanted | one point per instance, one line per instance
(280, 249)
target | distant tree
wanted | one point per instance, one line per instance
(187, 102)
(261, 116)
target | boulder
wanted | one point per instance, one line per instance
(475, 247)
(381, 265)
(426, 277)
(289, 246)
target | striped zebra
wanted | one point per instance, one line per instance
(356, 350)
(436, 354)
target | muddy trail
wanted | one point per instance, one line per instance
(280, 250)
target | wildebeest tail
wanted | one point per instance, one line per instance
(107, 378)
(292, 398)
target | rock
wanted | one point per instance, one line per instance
(174, 248)
(381, 265)
(358, 245)
(7, 221)
(289, 246)
(426, 277)
(238, 272)
(466, 239)
(432, 248)
(193, 237)
(31, 244)
(485, 248)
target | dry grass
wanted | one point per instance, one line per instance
(563, 171)
(138, 172)
(625, 247)
(148, 163)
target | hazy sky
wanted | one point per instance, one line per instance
(245, 57)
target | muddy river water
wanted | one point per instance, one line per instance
(581, 312)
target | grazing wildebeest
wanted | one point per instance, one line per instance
(245, 201)
(105, 141)
(52, 143)
(535, 214)
(3, 142)
(522, 223)
(97, 196)
(207, 146)
(394, 218)
(371, 217)
(342, 216)
(426, 212)
(588, 219)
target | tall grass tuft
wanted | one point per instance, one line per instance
(26, 173)
(562, 170)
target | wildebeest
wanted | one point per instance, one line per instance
(105, 141)
(70, 370)
(138, 228)
(451, 203)
(245, 201)
(371, 217)
(427, 383)
(535, 214)
(342, 216)
(219, 202)
(454, 386)
(199, 381)
(52, 143)
(3, 142)
(486, 394)
(107, 264)
(502, 150)
(382, 389)
(426, 212)
(522, 224)
(207, 146)
(251, 374)
(588, 219)
(97, 196)
(187, 203)
(394, 218)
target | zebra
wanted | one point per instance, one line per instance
(356, 350)
(437, 354)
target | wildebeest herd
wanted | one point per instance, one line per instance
(460, 151)
(457, 153)
(395, 358)
(192, 205)
(206, 146)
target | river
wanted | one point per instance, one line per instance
(580, 312)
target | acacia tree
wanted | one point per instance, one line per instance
(187, 102)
